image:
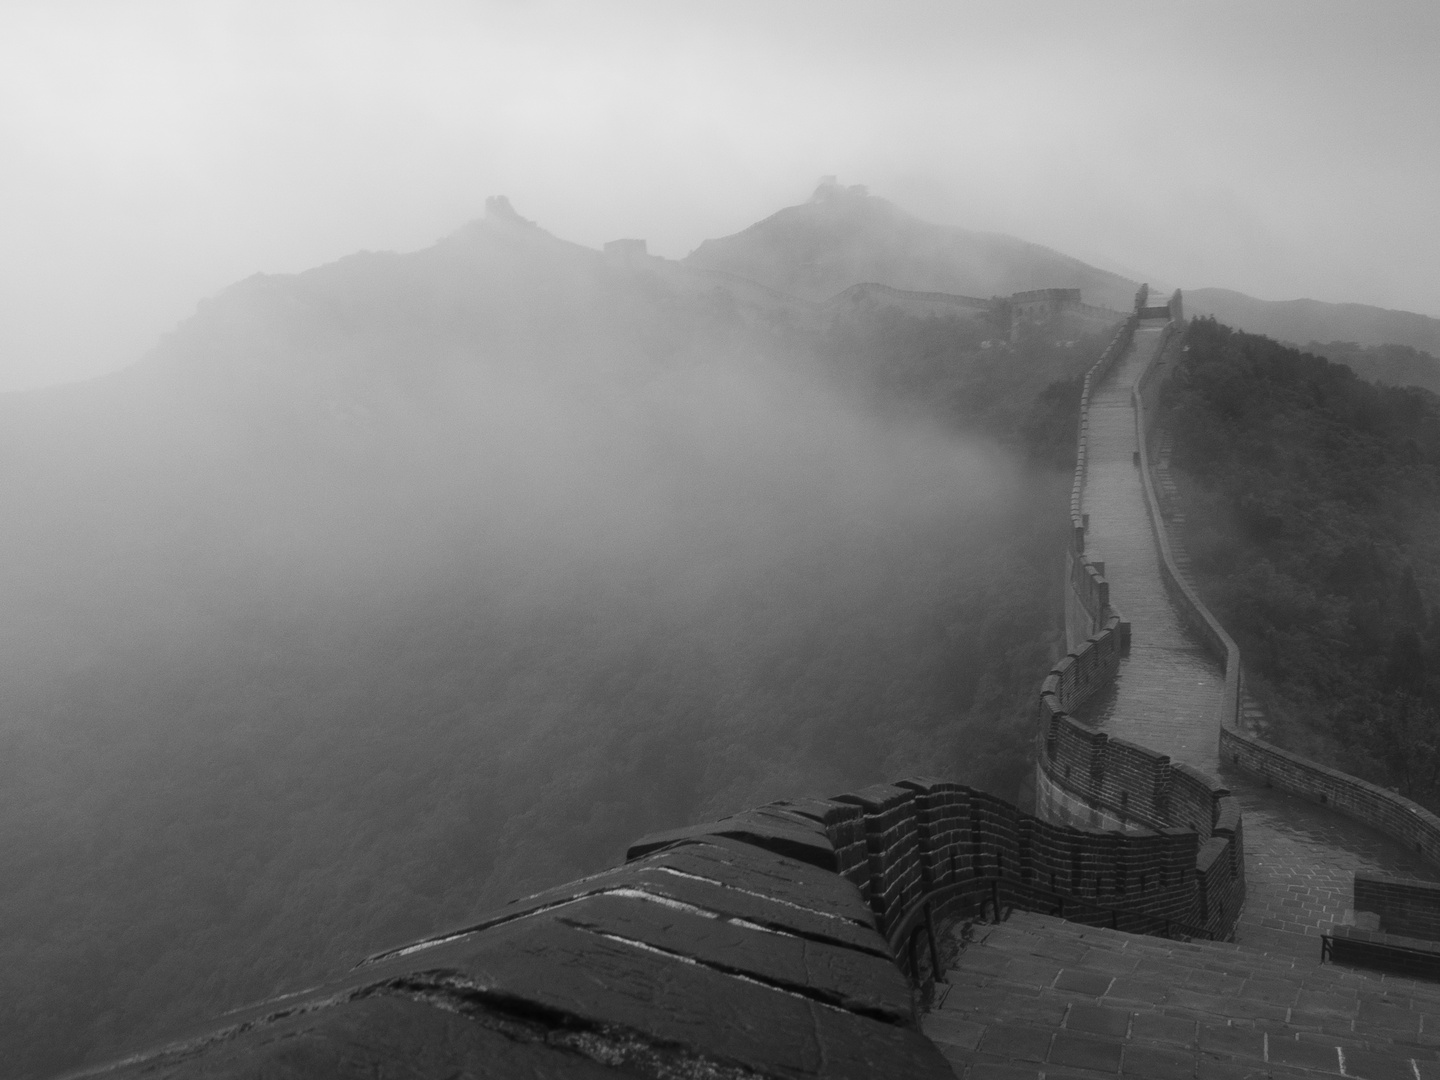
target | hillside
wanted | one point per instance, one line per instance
(1394, 365)
(843, 236)
(381, 593)
(1313, 520)
(1300, 321)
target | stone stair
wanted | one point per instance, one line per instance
(1038, 998)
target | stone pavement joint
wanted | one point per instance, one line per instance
(1123, 1005)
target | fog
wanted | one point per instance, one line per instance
(152, 153)
(376, 595)
(362, 591)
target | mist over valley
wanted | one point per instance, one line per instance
(374, 555)
(380, 594)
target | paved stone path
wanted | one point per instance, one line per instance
(1037, 997)
(1167, 694)
(1300, 859)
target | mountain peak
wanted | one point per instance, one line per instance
(830, 189)
(499, 211)
(843, 236)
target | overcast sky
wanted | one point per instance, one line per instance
(153, 152)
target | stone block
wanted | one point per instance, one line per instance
(845, 978)
(671, 999)
(369, 1036)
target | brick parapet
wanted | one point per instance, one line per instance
(1388, 811)
(892, 846)
(922, 834)
(1406, 907)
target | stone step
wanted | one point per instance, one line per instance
(1039, 997)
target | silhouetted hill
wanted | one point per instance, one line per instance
(1396, 365)
(843, 236)
(1300, 321)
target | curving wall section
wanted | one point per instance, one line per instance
(922, 850)
(1086, 777)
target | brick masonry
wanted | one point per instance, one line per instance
(1404, 906)
(1391, 813)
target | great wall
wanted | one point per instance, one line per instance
(1163, 914)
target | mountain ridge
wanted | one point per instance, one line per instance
(380, 591)
(1302, 321)
(843, 236)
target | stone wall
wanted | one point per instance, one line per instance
(1086, 776)
(1083, 776)
(710, 947)
(901, 843)
(1060, 311)
(1404, 906)
(873, 289)
(1388, 811)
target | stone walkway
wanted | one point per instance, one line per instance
(1300, 859)
(1167, 694)
(1036, 997)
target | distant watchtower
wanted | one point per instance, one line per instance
(1057, 312)
(626, 252)
(1146, 310)
(1042, 305)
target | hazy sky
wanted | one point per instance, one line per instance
(153, 152)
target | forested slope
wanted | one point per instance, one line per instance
(1312, 502)
(1397, 365)
(1300, 321)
